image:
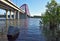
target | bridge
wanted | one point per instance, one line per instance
(18, 13)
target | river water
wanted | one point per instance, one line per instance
(29, 30)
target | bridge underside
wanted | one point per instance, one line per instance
(5, 6)
(18, 14)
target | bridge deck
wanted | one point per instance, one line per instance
(9, 5)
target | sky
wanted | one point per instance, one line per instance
(36, 7)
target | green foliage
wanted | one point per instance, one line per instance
(52, 14)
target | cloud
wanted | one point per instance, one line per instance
(37, 14)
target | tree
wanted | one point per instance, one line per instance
(52, 14)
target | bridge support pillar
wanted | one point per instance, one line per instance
(10, 14)
(18, 15)
(6, 14)
(14, 14)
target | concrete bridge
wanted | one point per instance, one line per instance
(9, 6)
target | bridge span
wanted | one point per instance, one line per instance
(9, 6)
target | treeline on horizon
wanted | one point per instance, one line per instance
(4, 16)
(35, 16)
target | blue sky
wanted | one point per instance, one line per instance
(36, 7)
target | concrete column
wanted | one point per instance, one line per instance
(14, 14)
(18, 15)
(6, 14)
(10, 14)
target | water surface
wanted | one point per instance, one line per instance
(29, 29)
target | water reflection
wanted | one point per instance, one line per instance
(29, 30)
(13, 33)
(9, 26)
(51, 34)
(14, 28)
(3, 36)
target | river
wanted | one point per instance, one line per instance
(29, 30)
